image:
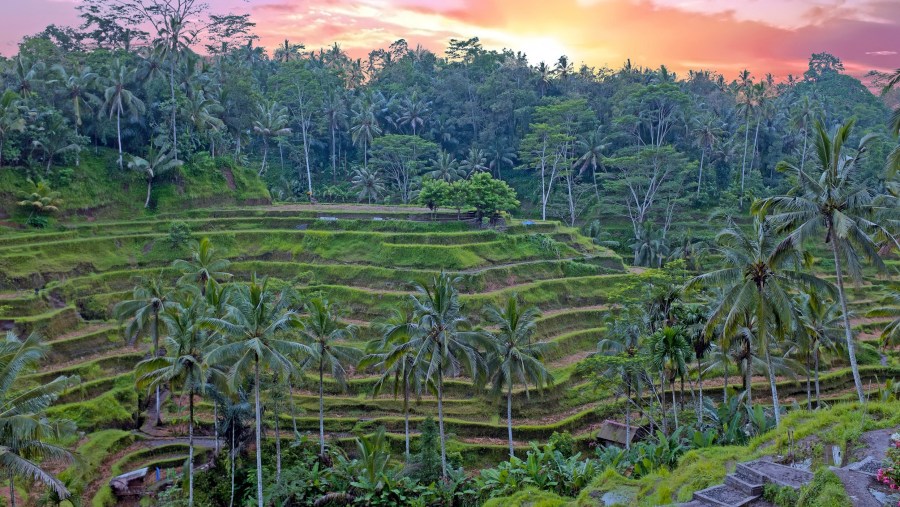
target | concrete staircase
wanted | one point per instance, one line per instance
(745, 485)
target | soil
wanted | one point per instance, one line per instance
(229, 178)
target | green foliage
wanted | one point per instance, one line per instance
(427, 462)
(825, 489)
(179, 235)
(781, 496)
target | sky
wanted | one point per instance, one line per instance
(727, 36)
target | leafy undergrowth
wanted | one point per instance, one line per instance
(701, 468)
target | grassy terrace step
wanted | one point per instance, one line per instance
(50, 323)
(490, 277)
(23, 304)
(345, 247)
(94, 366)
(98, 339)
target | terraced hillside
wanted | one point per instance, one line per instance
(63, 284)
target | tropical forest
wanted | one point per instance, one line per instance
(246, 274)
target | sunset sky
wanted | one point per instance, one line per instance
(725, 35)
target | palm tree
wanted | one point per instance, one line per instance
(159, 161)
(368, 184)
(849, 213)
(514, 356)
(545, 74)
(26, 75)
(183, 366)
(77, 92)
(474, 162)
(442, 345)
(413, 112)
(893, 161)
(593, 153)
(174, 39)
(321, 331)
(55, 139)
(149, 299)
(395, 359)
(334, 113)
(203, 266)
(271, 121)
(706, 133)
(670, 350)
(364, 128)
(623, 339)
(256, 325)
(820, 327)
(201, 113)
(24, 427)
(11, 119)
(118, 99)
(746, 106)
(757, 278)
(446, 168)
(802, 117)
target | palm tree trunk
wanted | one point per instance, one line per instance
(321, 407)
(191, 448)
(12, 490)
(155, 331)
(233, 455)
(174, 104)
(628, 414)
(662, 402)
(674, 405)
(700, 385)
(440, 393)
(259, 479)
(700, 173)
(725, 364)
(293, 412)
(216, 426)
(755, 140)
(748, 381)
(848, 332)
(406, 415)
(803, 156)
(808, 387)
(262, 167)
(119, 133)
(365, 154)
(149, 187)
(816, 360)
(333, 159)
(509, 419)
(277, 447)
(774, 387)
(744, 161)
(1, 152)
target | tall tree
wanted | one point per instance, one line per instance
(853, 216)
(364, 127)
(26, 431)
(78, 92)
(271, 121)
(256, 327)
(444, 347)
(759, 274)
(159, 161)
(149, 299)
(514, 357)
(204, 265)
(119, 99)
(321, 334)
(184, 366)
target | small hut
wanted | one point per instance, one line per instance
(617, 434)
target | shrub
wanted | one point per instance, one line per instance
(782, 496)
(179, 234)
(563, 442)
(427, 462)
(825, 489)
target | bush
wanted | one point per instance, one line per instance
(179, 234)
(825, 489)
(782, 496)
(563, 442)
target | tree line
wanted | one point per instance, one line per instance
(164, 83)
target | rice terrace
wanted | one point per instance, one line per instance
(244, 265)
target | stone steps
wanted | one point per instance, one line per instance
(745, 485)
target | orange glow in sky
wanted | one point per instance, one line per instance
(774, 36)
